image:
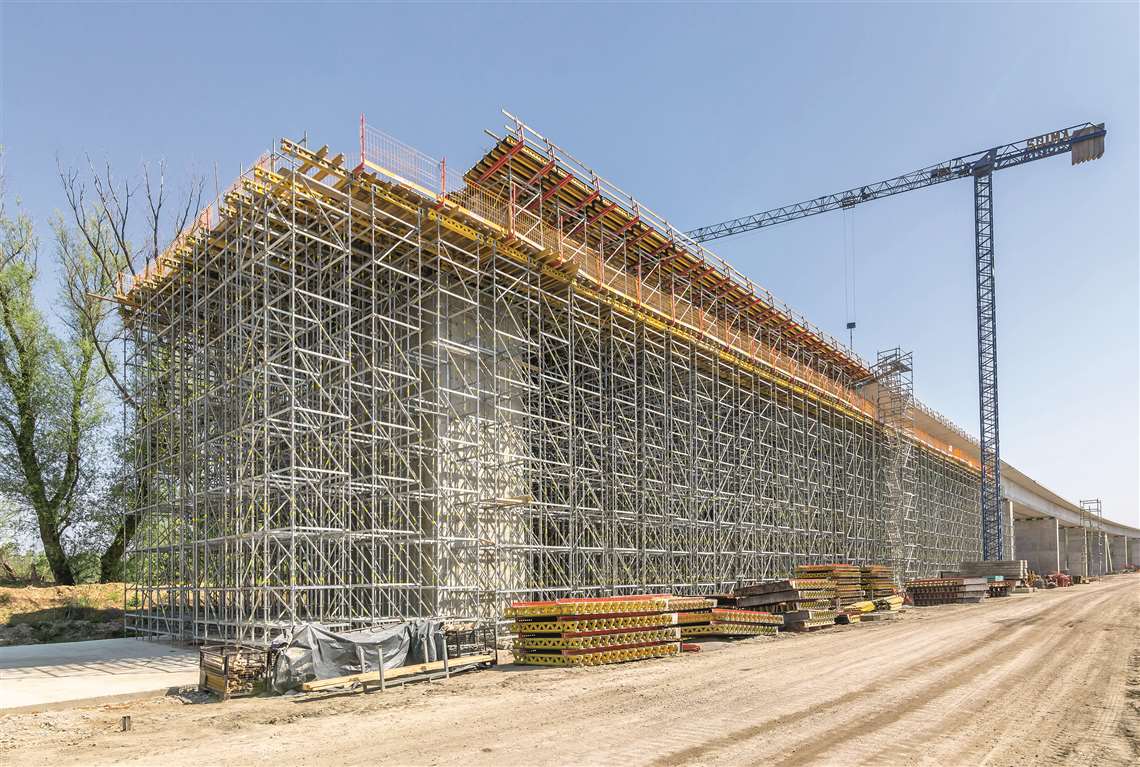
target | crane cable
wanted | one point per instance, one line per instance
(849, 313)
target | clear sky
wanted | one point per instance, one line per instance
(703, 112)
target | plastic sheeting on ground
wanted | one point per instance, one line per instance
(314, 652)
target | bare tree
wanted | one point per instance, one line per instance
(122, 238)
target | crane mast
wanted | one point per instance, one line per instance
(1084, 142)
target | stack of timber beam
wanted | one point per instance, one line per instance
(724, 622)
(886, 608)
(973, 590)
(804, 603)
(890, 604)
(847, 580)
(877, 581)
(1009, 569)
(597, 630)
(855, 612)
(925, 592)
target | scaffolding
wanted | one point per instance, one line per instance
(367, 398)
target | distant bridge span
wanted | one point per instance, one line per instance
(1050, 532)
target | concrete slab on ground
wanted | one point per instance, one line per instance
(46, 676)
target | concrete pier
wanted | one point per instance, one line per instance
(1074, 552)
(1038, 542)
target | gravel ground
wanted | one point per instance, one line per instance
(1048, 678)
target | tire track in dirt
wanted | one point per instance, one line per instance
(900, 708)
(978, 723)
(979, 646)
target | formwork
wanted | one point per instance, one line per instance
(366, 397)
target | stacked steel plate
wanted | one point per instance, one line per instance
(847, 580)
(925, 592)
(876, 581)
(599, 630)
(973, 590)
(727, 622)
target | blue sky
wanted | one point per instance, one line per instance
(703, 113)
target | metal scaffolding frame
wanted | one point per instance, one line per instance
(366, 398)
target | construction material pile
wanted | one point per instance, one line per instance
(877, 581)
(1008, 569)
(847, 580)
(925, 592)
(973, 590)
(855, 612)
(232, 672)
(999, 588)
(598, 630)
(727, 622)
(803, 602)
(890, 604)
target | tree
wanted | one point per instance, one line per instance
(50, 404)
(118, 237)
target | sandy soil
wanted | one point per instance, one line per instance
(1048, 678)
(34, 615)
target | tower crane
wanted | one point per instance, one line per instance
(1083, 142)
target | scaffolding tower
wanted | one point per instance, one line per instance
(368, 398)
(894, 388)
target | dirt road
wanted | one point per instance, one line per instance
(1048, 678)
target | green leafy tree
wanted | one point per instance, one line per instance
(51, 409)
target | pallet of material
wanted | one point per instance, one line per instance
(788, 595)
(232, 672)
(892, 603)
(847, 579)
(1010, 569)
(999, 588)
(926, 592)
(973, 590)
(876, 581)
(803, 620)
(601, 657)
(728, 622)
(591, 607)
(598, 630)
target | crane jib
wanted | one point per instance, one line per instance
(1086, 142)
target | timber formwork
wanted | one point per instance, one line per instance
(364, 398)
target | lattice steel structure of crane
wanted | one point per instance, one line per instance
(365, 398)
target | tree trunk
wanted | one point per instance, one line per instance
(111, 562)
(57, 559)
